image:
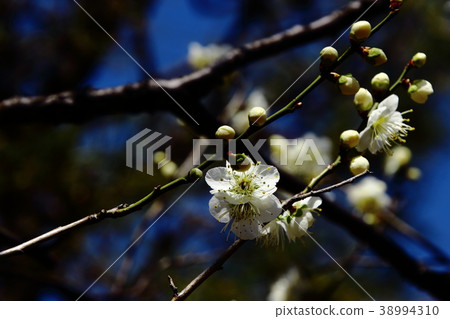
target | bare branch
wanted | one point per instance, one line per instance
(116, 212)
(209, 271)
(87, 103)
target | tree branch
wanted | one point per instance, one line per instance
(116, 212)
(88, 103)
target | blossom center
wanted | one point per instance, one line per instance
(243, 211)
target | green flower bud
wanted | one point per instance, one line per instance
(195, 174)
(358, 165)
(257, 115)
(419, 59)
(363, 100)
(225, 132)
(243, 163)
(328, 56)
(360, 31)
(375, 56)
(349, 138)
(380, 82)
(348, 85)
(419, 91)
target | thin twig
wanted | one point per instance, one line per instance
(209, 271)
(288, 202)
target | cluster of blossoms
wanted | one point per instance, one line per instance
(244, 197)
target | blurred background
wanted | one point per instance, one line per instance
(53, 174)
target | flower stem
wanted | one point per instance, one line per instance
(328, 170)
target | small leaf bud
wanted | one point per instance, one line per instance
(358, 165)
(225, 132)
(257, 115)
(349, 138)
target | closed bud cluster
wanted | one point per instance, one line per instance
(363, 100)
(358, 165)
(349, 138)
(328, 56)
(348, 85)
(257, 115)
(225, 132)
(380, 82)
(375, 56)
(419, 59)
(360, 31)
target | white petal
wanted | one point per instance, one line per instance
(391, 102)
(364, 139)
(219, 209)
(246, 229)
(313, 202)
(269, 207)
(375, 115)
(267, 177)
(218, 178)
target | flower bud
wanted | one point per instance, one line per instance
(419, 91)
(349, 138)
(413, 173)
(419, 59)
(328, 56)
(360, 31)
(401, 156)
(380, 82)
(358, 165)
(375, 56)
(257, 115)
(363, 100)
(396, 4)
(243, 163)
(348, 85)
(195, 174)
(225, 132)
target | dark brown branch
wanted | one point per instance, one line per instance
(87, 103)
(209, 271)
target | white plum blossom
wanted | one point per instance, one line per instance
(304, 157)
(292, 225)
(244, 198)
(385, 126)
(369, 196)
(202, 56)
